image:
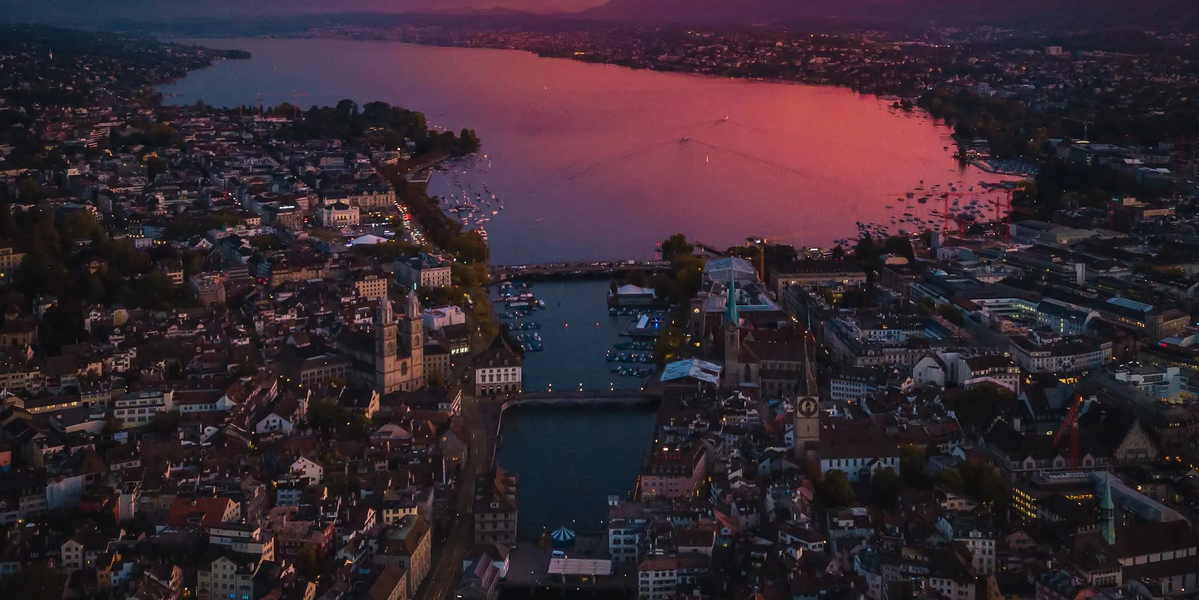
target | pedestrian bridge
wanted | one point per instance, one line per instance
(573, 270)
(609, 397)
(599, 398)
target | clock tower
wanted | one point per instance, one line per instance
(807, 423)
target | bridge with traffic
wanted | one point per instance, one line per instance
(587, 270)
(574, 270)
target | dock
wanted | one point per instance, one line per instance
(533, 571)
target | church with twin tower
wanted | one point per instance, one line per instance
(390, 356)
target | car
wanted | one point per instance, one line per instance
(558, 554)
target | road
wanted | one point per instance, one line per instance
(447, 556)
(563, 269)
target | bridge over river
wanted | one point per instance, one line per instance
(574, 270)
(574, 398)
(588, 270)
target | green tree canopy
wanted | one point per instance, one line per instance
(884, 487)
(835, 490)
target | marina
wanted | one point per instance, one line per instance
(947, 207)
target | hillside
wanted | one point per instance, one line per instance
(1060, 15)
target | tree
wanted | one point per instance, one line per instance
(676, 246)
(326, 415)
(912, 461)
(435, 380)
(951, 314)
(307, 564)
(884, 487)
(155, 166)
(900, 246)
(164, 423)
(949, 479)
(470, 247)
(835, 490)
(29, 190)
(867, 250)
(347, 107)
(983, 481)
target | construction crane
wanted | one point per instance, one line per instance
(1004, 203)
(295, 102)
(1071, 423)
(295, 96)
(1003, 208)
(945, 214)
(761, 243)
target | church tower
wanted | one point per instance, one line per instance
(807, 406)
(1107, 512)
(414, 341)
(732, 335)
(386, 368)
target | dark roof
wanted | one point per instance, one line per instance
(498, 355)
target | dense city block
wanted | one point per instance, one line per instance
(245, 354)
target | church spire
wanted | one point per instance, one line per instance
(1107, 512)
(385, 315)
(412, 307)
(730, 309)
(810, 387)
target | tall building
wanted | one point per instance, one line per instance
(496, 508)
(389, 357)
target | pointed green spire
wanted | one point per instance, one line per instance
(1107, 512)
(730, 309)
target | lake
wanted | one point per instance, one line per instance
(595, 162)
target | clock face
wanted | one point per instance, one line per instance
(807, 407)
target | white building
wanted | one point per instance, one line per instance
(857, 450)
(309, 468)
(1064, 319)
(657, 578)
(980, 543)
(1040, 352)
(944, 368)
(1162, 383)
(281, 419)
(424, 270)
(136, 409)
(498, 371)
(442, 316)
(337, 215)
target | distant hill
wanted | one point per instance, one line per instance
(1059, 15)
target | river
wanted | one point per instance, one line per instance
(570, 460)
(595, 162)
(600, 163)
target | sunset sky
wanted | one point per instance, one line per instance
(81, 11)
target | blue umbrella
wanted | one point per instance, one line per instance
(563, 537)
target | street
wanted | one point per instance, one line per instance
(447, 556)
